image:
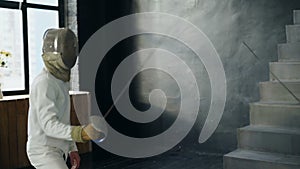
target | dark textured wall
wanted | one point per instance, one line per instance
(260, 23)
(227, 23)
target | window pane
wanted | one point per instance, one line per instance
(12, 75)
(15, 0)
(44, 2)
(38, 22)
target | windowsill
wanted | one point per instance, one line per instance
(15, 97)
(26, 96)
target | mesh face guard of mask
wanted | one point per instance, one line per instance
(61, 41)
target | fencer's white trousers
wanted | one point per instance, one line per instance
(45, 157)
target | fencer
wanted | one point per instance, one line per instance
(50, 136)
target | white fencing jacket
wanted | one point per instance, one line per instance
(49, 114)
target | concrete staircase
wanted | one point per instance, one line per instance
(272, 140)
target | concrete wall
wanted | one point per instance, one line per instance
(227, 23)
(260, 23)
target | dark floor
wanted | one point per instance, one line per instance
(170, 160)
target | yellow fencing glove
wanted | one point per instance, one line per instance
(85, 133)
(90, 133)
(76, 133)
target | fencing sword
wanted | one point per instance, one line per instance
(124, 89)
(99, 122)
(273, 74)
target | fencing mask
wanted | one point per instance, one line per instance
(60, 50)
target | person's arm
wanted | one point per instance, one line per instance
(74, 156)
(73, 146)
(74, 159)
(44, 97)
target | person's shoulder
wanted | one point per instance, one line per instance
(40, 78)
(43, 80)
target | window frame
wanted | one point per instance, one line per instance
(24, 6)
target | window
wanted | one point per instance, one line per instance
(22, 25)
(12, 76)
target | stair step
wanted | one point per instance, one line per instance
(292, 33)
(280, 115)
(289, 52)
(243, 159)
(269, 139)
(296, 16)
(274, 92)
(285, 71)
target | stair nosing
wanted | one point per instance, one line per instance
(295, 63)
(274, 104)
(286, 81)
(288, 60)
(292, 25)
(288, 43)
(271, 129)
(259, 155)
(277, 82)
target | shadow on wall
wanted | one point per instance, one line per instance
(261, 23)
(227, 23)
